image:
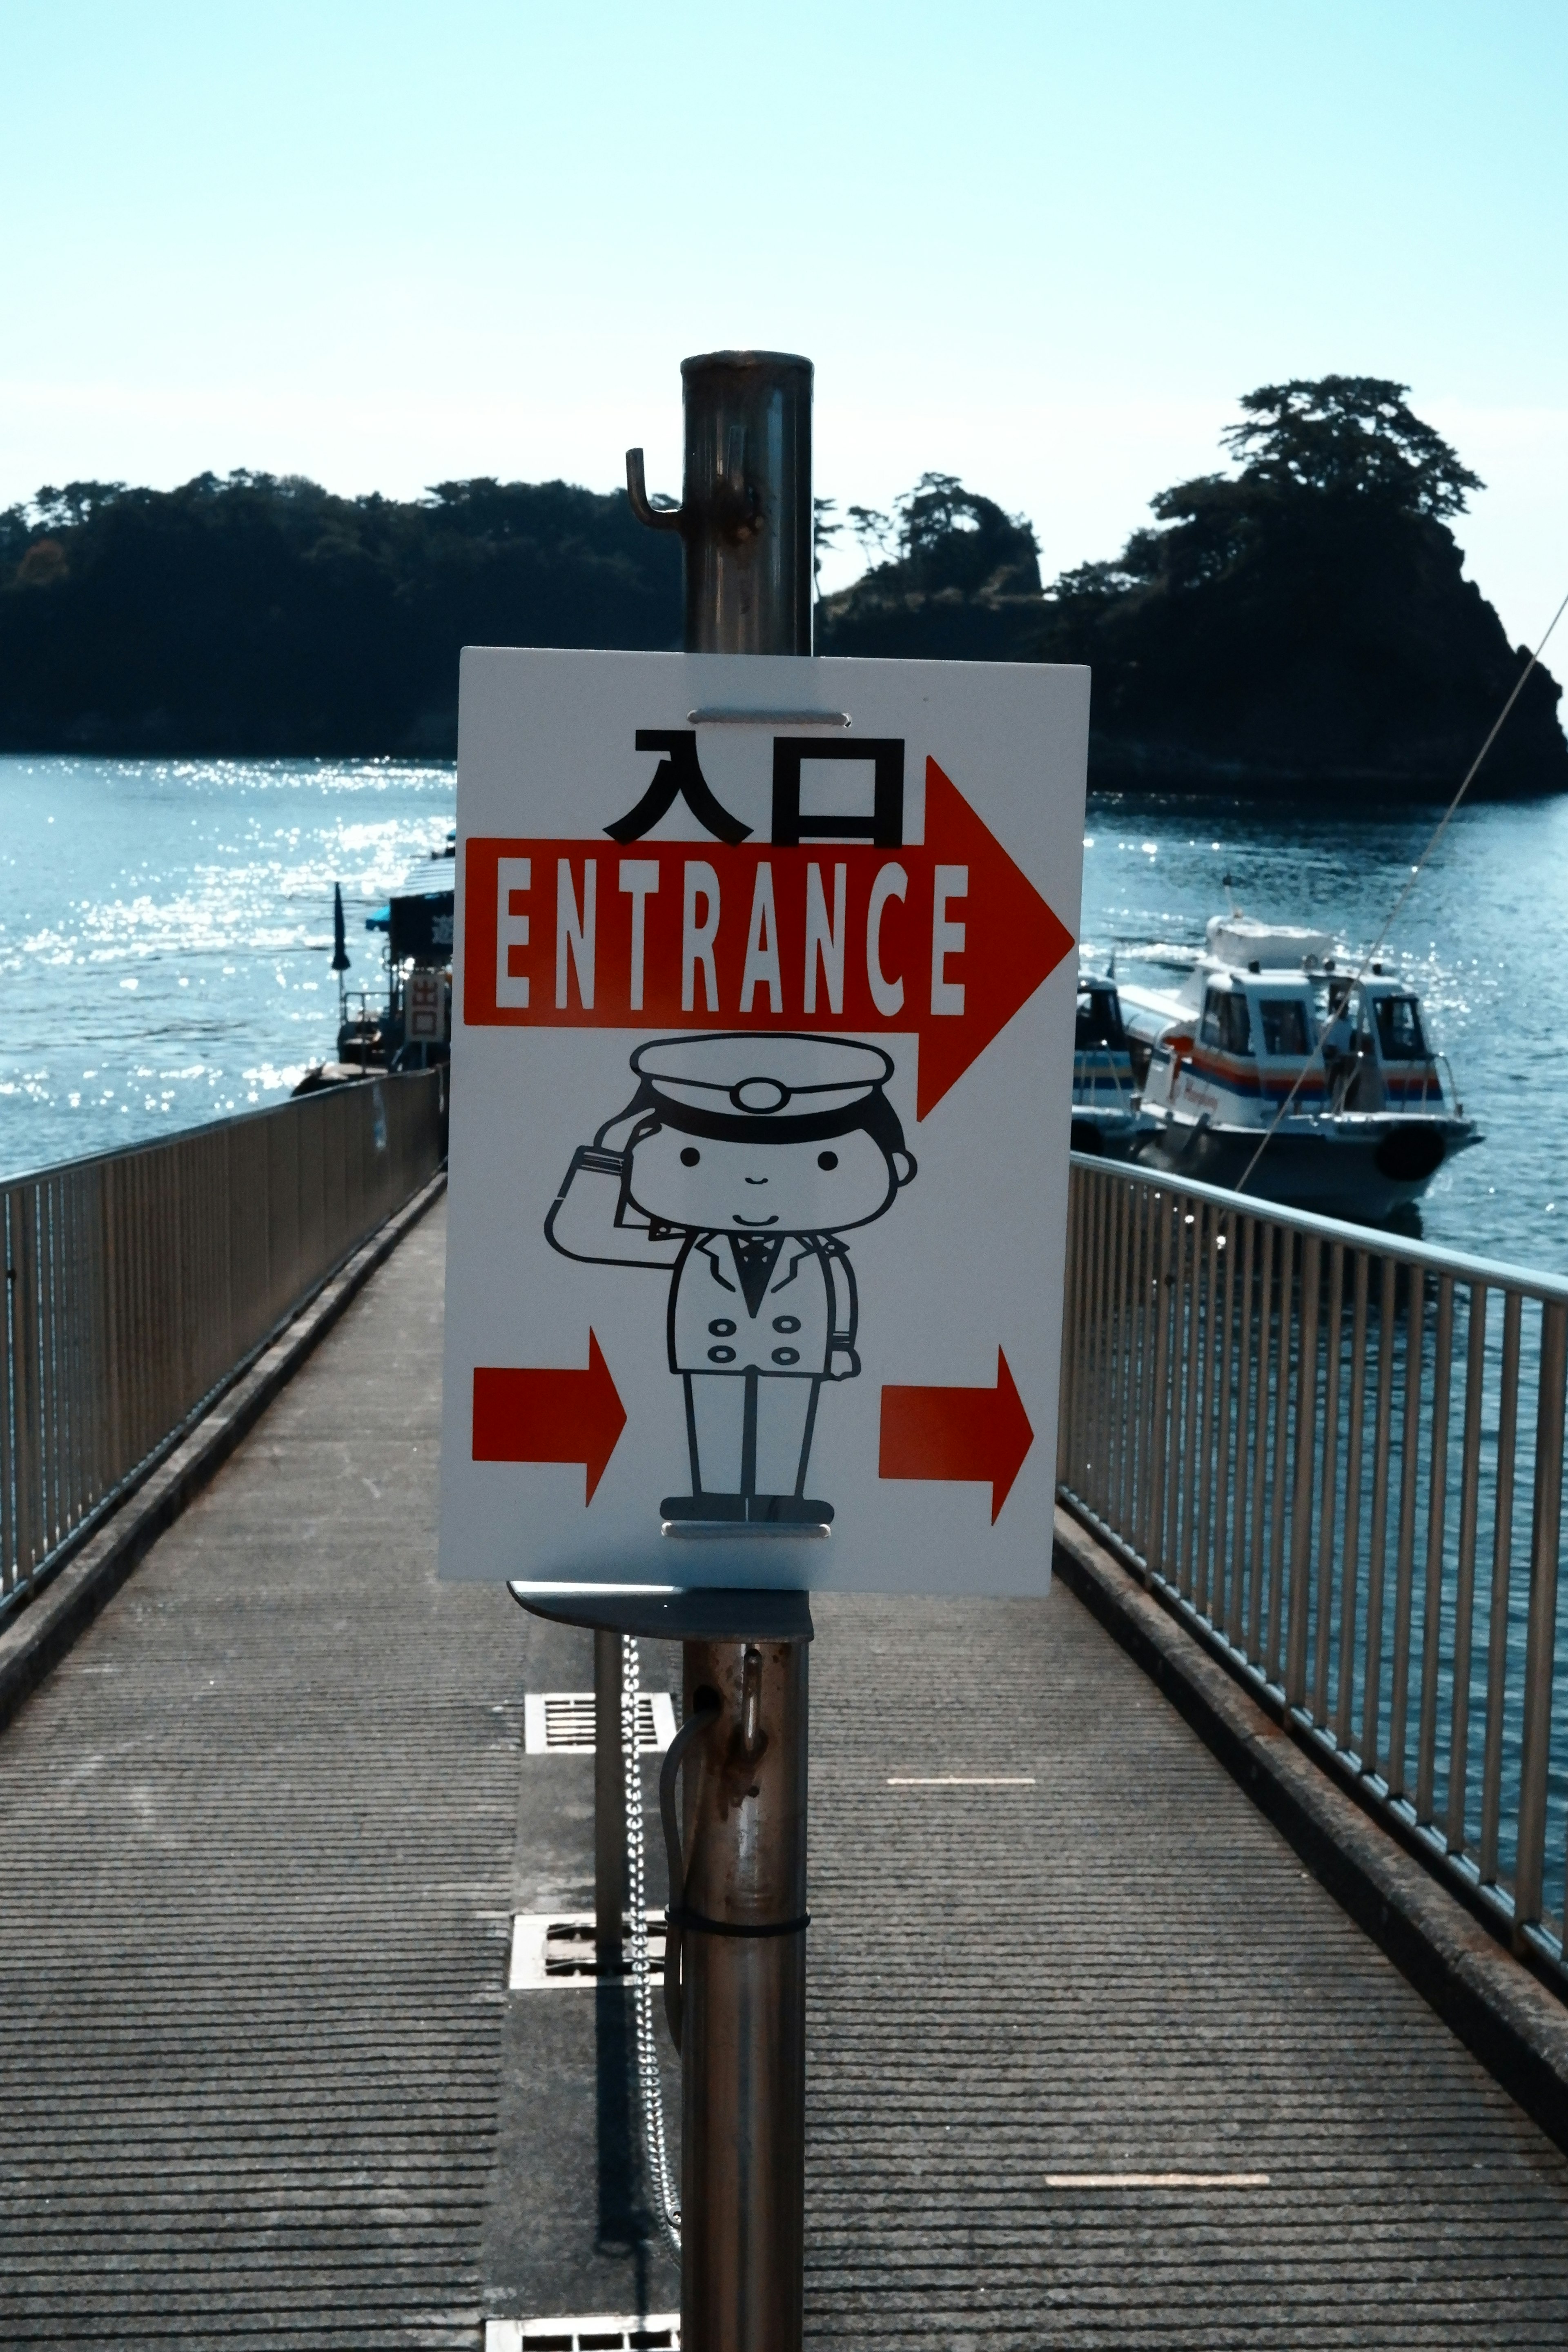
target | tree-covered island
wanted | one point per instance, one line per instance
(1298, 626)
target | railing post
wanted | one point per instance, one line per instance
(1377, 1536)
(1502, 1568)
(1064, 1376)
(1540, 1638)
(1404, 1558)
(1302, 1480)
(1162, 1210)
(1328, 1503)
(22, 1281)
(1141, 1418)
(1350, 1569)
(1119, 1438)
(1464, 1598)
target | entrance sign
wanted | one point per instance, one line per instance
(764, 1002)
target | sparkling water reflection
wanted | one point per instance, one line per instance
(165, 927)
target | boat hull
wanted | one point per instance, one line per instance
(1363, 1170)
(1108, 1134)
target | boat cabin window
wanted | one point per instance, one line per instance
(1100, 1021)
(1226, 1022)
(1283, 1020)
(1399, 1029)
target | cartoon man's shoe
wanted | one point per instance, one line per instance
(788, 1510)
(741, 1510)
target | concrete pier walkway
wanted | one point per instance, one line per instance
(261, 2084)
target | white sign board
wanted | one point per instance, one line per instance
(762, 1089)
(425, 1007)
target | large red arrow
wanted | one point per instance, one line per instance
(1010, 941)
(548, 1415)
(946, 937)
(958, 1433)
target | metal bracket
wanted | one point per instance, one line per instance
(670, 1613)
(724, 716)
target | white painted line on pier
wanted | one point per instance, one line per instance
(555, 1948)
(962, 1781)
(564, 1723)
(1157, 2180)
(573, 2334)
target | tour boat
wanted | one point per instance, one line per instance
(403, 1022)
(1270, 1008)
(1105, 1117)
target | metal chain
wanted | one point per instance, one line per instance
(667, 2200)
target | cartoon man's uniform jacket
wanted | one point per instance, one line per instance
(784, 1306)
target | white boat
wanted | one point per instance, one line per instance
(1274, 1014)
(1106, 1115)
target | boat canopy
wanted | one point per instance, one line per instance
(1239, 940)
(1099, 1016)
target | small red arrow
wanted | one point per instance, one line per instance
(549, 1415)
(957, 1433)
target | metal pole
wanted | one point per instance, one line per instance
(744, 517)
(609, 1809)
(745, 523)
(742, 2165)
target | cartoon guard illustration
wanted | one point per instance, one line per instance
(740, 1161)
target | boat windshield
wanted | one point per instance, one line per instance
(1226, 1022)
(1100, 1021)
(1399, 1029)
(1283, 1020)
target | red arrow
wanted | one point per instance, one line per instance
(962, 936)
(957, 1433)
(1010, 941)
(549, 1415)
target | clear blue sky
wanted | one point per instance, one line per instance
(1043, 247)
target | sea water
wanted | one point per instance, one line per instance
(166, 933)
(1479, 938)
(165, 936)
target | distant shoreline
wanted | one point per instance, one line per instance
(1218, 786)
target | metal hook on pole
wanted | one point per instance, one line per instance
(745, 516)
(664, 517)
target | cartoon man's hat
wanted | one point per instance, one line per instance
(750, 1086)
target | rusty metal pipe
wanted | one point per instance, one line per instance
(743, 1999)
(745, 515)
(745, 523)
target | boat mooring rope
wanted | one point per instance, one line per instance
(1377, 948)
(661, 2182)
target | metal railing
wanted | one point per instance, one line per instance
(1342, 1455)
(139, 1283)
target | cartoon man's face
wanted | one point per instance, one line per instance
(765, 1188)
